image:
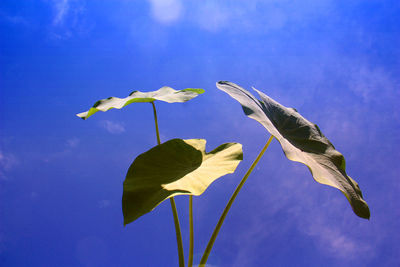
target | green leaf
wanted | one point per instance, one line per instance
(301, 141)
(176, 167)
(165, 93)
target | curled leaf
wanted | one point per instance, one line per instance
(166, 94)
(301, 141)
(176, 167)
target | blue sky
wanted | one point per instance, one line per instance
(336, 62)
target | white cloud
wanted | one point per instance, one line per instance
(166, 11)
(311, 211)
(61, 10)
(333, 241)
(68, 19)
(212, 16)
(113, 127)
(7, 162)
(254, 15)
(371, 83)
(16, 20)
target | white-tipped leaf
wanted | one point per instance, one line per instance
(301, 141)
(166, 94)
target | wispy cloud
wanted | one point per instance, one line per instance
(166, 11)
(7, 162)
(212, 16)
(252, 15)
(68, 19)
(309, 210)
(15, 19)
(113, 127)
(372, 83)
(333, 241)
(61, 10)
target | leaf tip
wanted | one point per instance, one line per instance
(82, 115)
(240, 155)
(361, 209)
(222, 83)
(198, 91)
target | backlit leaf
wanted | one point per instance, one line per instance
(176, 167)
(301, 141)
(166, 94)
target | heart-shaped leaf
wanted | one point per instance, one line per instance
(166, 94)
(301, 141)
(176, 167)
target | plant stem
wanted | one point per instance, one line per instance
(173, 206)
(156, 121)
(191, 242)
(178, 233)
(228, 206)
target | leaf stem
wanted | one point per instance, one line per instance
(178, 233)
(156, 122)
(191, 242)
(228, 206)
(173, 206)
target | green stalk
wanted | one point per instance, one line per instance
(191, 242)
(228, 206)
(173, 206)
(156, 121)
(178, 233)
